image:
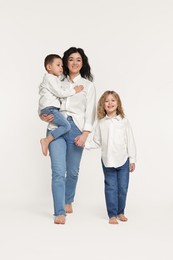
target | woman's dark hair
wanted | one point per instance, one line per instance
(85, 70)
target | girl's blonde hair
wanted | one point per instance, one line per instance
(101, 112)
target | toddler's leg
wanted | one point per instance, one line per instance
(45, 143)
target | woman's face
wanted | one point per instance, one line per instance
(74, 63)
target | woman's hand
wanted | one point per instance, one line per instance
(47, 118)
(81, 139)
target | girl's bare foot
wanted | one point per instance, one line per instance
(113, 220)
(122, 217)
(68, 208)
(44, 146)
(59, 219)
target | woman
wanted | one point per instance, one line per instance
(66, 151)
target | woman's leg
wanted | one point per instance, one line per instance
(123, 182)
(74, 154)
(57, 149)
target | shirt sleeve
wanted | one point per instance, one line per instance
(90, 109)
(131, 147)
(95, 142)
(56, 89)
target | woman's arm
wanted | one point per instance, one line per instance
(81, 139)
(89, 117)
(47, 118)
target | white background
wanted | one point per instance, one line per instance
(130, 49)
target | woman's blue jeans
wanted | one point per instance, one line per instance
(116, 186)
(65, 161)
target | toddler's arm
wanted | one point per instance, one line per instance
(78, 88)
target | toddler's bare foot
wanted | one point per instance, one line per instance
(122, 217)
(59, 219)
(68, 208)
(44, 146)
(113, 220)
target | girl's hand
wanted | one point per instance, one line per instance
(132, 167)
(47, 118)
(81, 139)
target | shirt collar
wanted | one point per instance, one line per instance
(116, 117)
(75, 79)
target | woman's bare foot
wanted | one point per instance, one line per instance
(59, 219)
(68, 208)
(44, 145)
(122, 217)
(113, 220)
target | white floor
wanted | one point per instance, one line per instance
(27, 232)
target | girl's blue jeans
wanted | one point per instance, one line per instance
(116, 185)
(65, 161)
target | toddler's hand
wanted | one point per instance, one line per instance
(78, 88)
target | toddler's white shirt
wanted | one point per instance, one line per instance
(51, 90)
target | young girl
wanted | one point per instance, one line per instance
(118, 154)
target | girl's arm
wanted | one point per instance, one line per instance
(131, 147)
(96, 140)
(132, 167)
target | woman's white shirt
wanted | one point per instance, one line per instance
(115, 138)
(81, 106)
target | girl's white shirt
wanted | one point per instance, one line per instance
(81, 106)
(115, 138)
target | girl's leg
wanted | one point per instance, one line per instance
(111, 191)
(74, 154)
(57, 150)
(123, 182)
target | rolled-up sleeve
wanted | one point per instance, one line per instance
(90, 109)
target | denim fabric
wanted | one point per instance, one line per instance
(59, 120)
(116, 186)
(65, 160)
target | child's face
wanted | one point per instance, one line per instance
(56, 68)
(75, 63)
(111, 105)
